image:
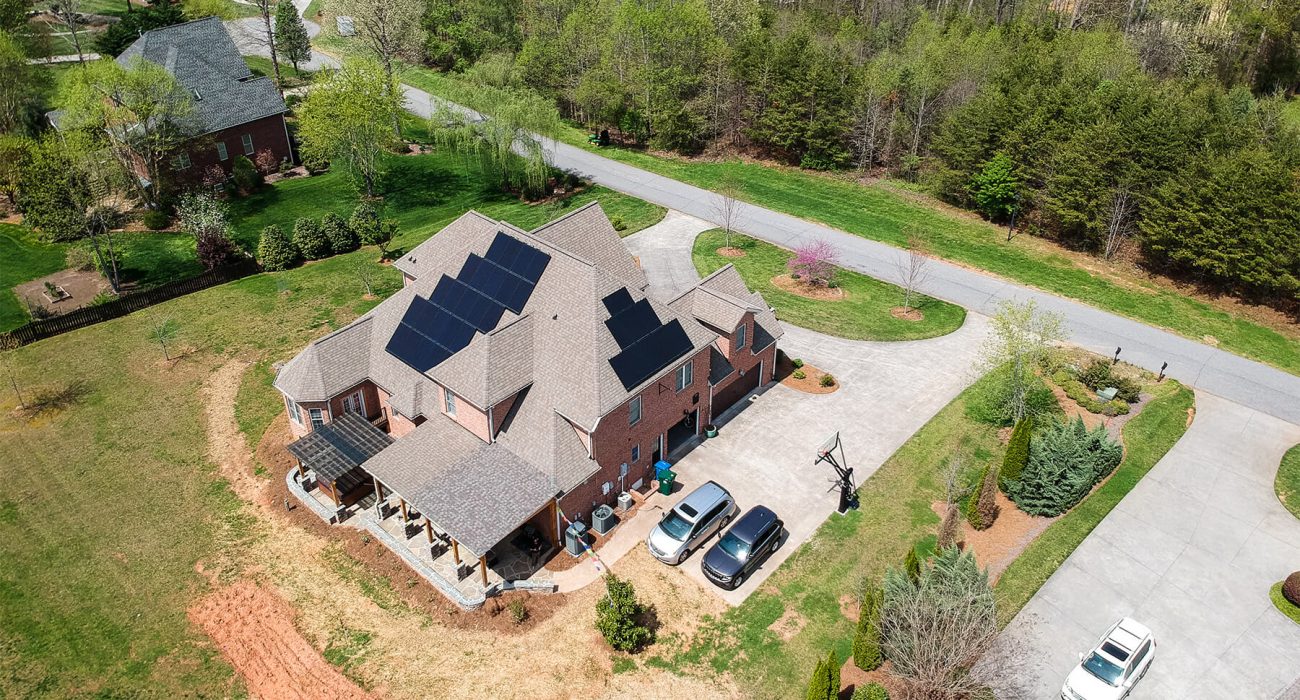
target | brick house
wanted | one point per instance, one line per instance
(523, 372)
(235, 112)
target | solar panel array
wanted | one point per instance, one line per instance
(436, 328)
(646, 345)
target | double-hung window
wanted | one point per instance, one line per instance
(685, 375)
(634, 411)
(221, 150)
(317, 418)
(740, 336)
(636, 454)
(292, 406)
(248, 144)
(181, 161)
(449, 402)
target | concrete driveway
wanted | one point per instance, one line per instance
(764, 453)
(1191, 552)
(664, 251)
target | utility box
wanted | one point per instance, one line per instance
(603, 519)
(625, 501)
(574, 537)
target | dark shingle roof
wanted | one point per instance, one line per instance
(339, 446)
(203, 58)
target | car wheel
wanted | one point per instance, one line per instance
(686, 554)
(738, 581)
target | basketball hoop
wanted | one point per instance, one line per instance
(843, 472)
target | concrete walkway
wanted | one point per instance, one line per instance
(1191, 552)
(664, 251)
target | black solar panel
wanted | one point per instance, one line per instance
(435, 323)
(496, 282)
(414, 349)
(633, 323)
(518, 257)
(617, 301)
(467, 304)
(649, 355)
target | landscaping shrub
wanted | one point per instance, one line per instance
(518, 611)
(825, 681)
(982, 506)
(866, 639)
(618, 223)
(949, 527)
(870, 691)
(1087, 398)
(827, 380)
(275, 251)
(311, 239)
(245, 174)
(797, 362)
(1017, 454)
(912, 565)
(314, 162)
(370, 228)
(81, 257)
(1291, 588)
(1065, 462)
(341, 236)
(619, 616)
(155, 220)
(1100, 374)
(799, 374)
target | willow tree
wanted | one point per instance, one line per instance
(507, 140)
(347, 119)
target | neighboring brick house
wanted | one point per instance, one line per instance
(235, 113)
(521, 371)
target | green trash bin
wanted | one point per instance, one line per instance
(666, 482)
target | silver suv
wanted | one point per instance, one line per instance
(690, 523)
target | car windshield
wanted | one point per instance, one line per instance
(734, 546)
(675, 525)
(1103, 668)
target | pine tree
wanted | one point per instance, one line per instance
(912, 565)
(275, 251)
(1065, 462)
(820, 683)
(291, 38)
(1017, 454)
(866, 641)
(982, 506)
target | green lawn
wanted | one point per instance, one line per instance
(1283, 605)
(25, 258)
(894, 514)
(883, 213)
(1287, 483)
(863, 315)
(262, 66)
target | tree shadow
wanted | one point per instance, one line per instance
(52, 400)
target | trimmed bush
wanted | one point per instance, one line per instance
(155, 220)
(982, 506)
(619, 616)
(245, 174)
(796, 362)
(341, 236)
(310, 239)
(827, 380)
(1100, 374)
(1291, 588)
(825, 681)
(866, 639)
(1017, 454)
(912, 565)
(275, 251)
(1087, 398)
(1065, 462)
(870, 691)
(799, 374)
(618, 223)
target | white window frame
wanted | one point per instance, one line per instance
(636, 454)
(355, 403)
(740, 336)
(247, 140)
(634, 411)
(685, 375)
(449, 402)
(222, 153)
(317, 417)
(294, 412)
(181, 161)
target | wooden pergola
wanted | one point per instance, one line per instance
(335, 451)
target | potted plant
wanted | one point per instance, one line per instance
(711, 430)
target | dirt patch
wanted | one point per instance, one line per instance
(226, 445)
(81, 287)
(850, 608)
(253, 628)
(732, 252)
(907, 313)
(271, 452)
(811, 382)
(998, 546)
(809, 291)
(852, 677)
(788, 625)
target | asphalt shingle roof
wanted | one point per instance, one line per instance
(204, 60)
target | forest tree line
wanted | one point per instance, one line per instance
(1150, 126)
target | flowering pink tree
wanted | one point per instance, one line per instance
(814, 262)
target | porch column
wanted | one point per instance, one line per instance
(428, 530)
(379, 499)
(482, 568)
(455, 551)
(402, 503)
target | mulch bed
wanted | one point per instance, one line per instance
(732, 252)
(907, 313)
(809, 291)
(810, 384)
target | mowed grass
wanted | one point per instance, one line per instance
(111, 502)
(25, 258)
(894, 514)
(884, 213)
(1287, 483)
(863, 315)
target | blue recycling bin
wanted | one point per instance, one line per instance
(660, 467)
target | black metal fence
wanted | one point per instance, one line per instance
(123, 305)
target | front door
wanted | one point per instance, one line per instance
(684, 430)
(354, 403)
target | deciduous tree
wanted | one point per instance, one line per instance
(390, 30)
(1021, 335)
(346, 119)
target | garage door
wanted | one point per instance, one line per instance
(736, 390)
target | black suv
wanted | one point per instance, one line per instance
(737, 553)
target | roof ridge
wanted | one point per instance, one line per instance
(731, 299)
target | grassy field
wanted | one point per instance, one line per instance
(262, 66)
(111, 500)
(886, 213)
(1283, 605)
(25, 258)
(894, 514)
(863, 315)
(1287, 483)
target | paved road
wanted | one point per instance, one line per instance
(1191, 552)
(249, 35)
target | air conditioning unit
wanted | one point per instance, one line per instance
(625, 501)
(574, 537)
(603, 519)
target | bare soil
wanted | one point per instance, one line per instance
(788, 625)
(809, 291)
(732, 252)
(851, 677)
(81, 287)
(810, 384)
(907, 313)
